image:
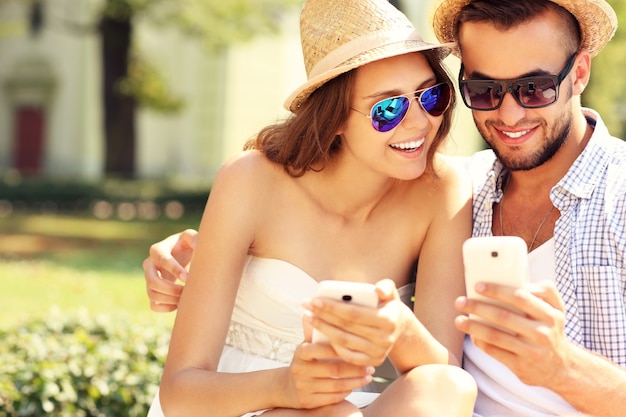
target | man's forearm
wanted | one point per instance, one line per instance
(592, 384)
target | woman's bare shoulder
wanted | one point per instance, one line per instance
(449, 185)
(252, 159)
(250, 167)
(452, 172)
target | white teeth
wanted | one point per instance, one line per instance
(408, 145)
(515, 135)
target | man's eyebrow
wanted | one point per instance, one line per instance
(477, 75)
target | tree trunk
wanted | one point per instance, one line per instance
(119, 110)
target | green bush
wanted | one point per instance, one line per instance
(80, 366)
(40, 195)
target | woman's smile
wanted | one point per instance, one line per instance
(410, 146)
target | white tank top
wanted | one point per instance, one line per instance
(500, 392)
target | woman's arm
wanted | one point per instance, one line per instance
(226, 232)
(440, 277)
(363, 335)
(191, 384)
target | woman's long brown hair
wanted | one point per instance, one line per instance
(308, 140)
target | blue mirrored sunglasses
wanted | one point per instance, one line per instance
(390, 112)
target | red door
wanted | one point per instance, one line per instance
(29, 138)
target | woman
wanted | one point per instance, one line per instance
(349, 187)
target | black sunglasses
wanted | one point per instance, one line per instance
(529, 92)
(390, 112)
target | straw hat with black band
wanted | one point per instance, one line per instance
(596, 18)
(340, 35)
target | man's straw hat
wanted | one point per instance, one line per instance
(596, 18)
(340, 35)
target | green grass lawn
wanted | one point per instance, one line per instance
(35, 288)
(77, 264)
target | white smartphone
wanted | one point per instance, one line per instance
(498, 259)
(360, 293)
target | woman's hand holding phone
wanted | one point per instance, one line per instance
(316, 377)
(360, 321)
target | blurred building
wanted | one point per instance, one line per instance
(51, 110)
(51, 102)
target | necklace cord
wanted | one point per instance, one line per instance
(534, 239)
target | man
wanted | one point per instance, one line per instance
(559, 182)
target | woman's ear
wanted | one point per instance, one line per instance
(342, 128)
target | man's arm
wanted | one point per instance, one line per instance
(592, 384)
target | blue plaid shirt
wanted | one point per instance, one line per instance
(590, 237)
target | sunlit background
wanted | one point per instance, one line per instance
(114, 118)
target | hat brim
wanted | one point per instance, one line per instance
(296, 98)
(596, 18)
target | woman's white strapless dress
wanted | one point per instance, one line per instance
(266, 324)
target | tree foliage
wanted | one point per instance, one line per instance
(148, 87)
(128, 79)
(606, 92)
(217, 23)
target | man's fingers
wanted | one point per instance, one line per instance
(162, 308)
(547, 291)
(168, 267)
(164, 295)
(189, 237)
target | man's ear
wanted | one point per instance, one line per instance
(582, 71)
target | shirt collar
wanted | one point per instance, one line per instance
(586, 172)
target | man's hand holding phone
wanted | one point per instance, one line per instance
(519, 324)
(496, 261)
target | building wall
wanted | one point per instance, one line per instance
(229, 96)
(71, 99)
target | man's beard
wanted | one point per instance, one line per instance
(549, 148)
